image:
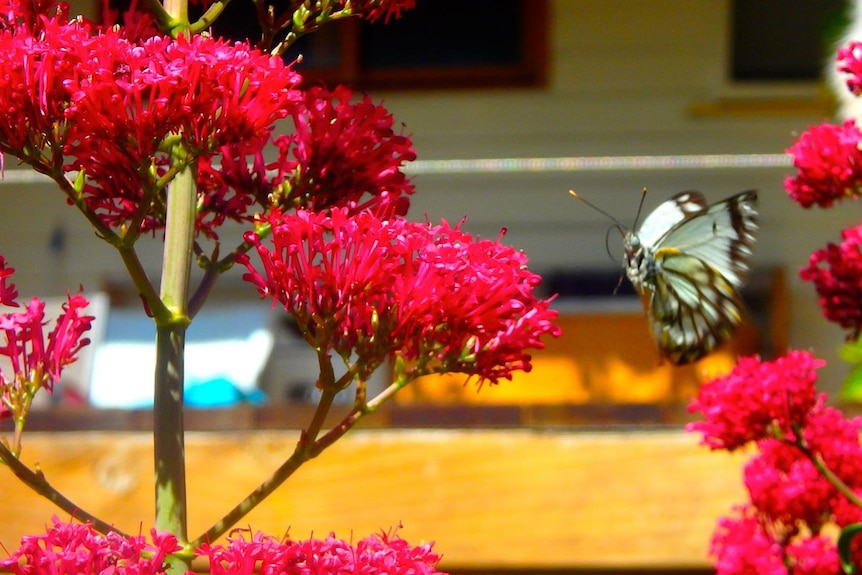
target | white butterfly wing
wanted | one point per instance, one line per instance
(722, 235)
(668, 215)
(693, 307)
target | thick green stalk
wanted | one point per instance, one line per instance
(168, 430)
(178, 16)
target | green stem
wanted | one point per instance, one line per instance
(301, 454)
(210, 16)
(36, 481)
(831, 477)
(168, 430)
(177, 16)
(158, 12)
(142, 283)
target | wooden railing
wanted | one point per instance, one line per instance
(511, 499)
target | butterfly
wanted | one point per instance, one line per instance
(687, 260)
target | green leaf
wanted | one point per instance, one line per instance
(851, 389)
(851, 352)
(844, 550)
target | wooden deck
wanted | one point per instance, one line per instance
(512, 499)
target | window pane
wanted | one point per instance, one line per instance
(783, 39)
(437, 34)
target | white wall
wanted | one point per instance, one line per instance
(624, 75)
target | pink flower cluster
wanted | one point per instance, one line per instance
(829, 164)
(344, 151)
(77, 549)
(836, 273)
(262, 554)
(757, 400)
(92, 100)
(850, 63)
(745, 544)
(371, 288)
(110, 107)
(774, 405)
(341, 154)
(35, 362)
(374, 10)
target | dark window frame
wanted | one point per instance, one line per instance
(342, 43)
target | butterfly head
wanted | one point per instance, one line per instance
(636, 262)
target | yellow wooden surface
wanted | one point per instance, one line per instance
(489, 498)
(600, 358)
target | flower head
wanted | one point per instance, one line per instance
(374, 10)
(381, 553)
(786, 487)
(127, 99)
(814, 555)
(849, 60)
(37, 362)
(8, 293)
(829, 162)
(428, 294)
(743, 545)
(30, 14)
(342, 152)
(836, 272)
(73, 549)
(113, 107)
(757, 400)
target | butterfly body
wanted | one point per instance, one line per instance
(687, 260)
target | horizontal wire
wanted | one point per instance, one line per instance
(527, 165)
(599, 163)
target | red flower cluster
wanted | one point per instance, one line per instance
(850, 62)
(383, 553)
(344, 151)
(341, 154)
(368, 287)
(29, 13)
(836, 273)
(791, 502)
(8, 293)
(95, 101)
(374, 10)
(76, 549)
(36, 363)
(757, 400)
(830, 165)
(745, 544)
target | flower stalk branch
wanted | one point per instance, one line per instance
(36, 481)
(303, 453)
(817, 461)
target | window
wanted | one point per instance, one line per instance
(467, 44)
(783, 39)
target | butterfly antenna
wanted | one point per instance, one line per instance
(577, 196)
(640, 208)
(622, 232)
